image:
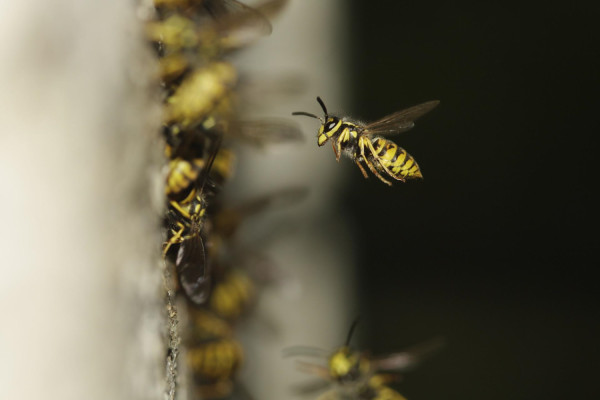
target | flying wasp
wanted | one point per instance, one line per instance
(358, 375)
(365, 142)
(186, 228)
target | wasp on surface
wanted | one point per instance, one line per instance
(365, 142)
(186, 231)
(183, 174)
(237, 278)
(358, 375)
(191, 33)
(214, 356)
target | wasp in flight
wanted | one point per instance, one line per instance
(366, 142)
(356, 374)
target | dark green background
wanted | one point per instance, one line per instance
(496, 248)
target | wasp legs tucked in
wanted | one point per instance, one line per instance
(361, 145)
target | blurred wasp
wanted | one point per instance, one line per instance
(214, 356)
(360, 141)
(183, 175)
(185, 42)
(185, 164)
(356, 374)
(217, 9)
(236, 279)
(186, 228)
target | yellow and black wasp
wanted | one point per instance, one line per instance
(190, 34)
(236, 278)
(214, 356)
(186, 225)
(365, 142)
(358, 375)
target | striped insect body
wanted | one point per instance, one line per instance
(366, 144)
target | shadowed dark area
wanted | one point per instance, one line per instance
(495, 249)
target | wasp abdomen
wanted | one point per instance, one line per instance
(393, 157)
(218, 359)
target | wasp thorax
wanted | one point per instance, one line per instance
(346, 365)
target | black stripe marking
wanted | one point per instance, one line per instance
(396, 155)
(384, 149)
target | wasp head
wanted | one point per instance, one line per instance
(329, 124)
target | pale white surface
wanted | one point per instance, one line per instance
(78, 294)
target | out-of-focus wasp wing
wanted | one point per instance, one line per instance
(400, 121)
(228, 220)
(409, 358)
(268, 131)
(305, 351)
(240, 25)
(192, 270)
(310, 387)
(234, 14)
(335, 394)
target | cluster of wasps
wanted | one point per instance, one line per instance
(192, 39)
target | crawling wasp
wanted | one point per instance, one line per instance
(185, 43)
(357, 374)
(365, 142)
(234, 287)
(214, 355)
(186, 226)
(183, 174)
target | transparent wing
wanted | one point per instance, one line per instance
(400, 121)
(233, 15)
(268, 131)
(311, 387)
(305, 351)
(228, 220)
(409, 358)
(192, 270)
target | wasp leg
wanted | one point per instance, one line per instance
(374, 171)
(390, 173)
(338, 153)
(176, 238)
(361, 144)
(361, 169)
(337, 156)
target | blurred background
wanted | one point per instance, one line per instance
(494, 249)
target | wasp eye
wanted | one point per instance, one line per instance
(330, 125)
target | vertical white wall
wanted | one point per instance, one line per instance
(79, 293)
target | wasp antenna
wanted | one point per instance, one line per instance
(214, 149)
(352, 327)
(323, 106)
(308, 115)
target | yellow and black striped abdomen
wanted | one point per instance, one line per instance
(232, 295)
(182, 174)
(395, 159)
(218, 359)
